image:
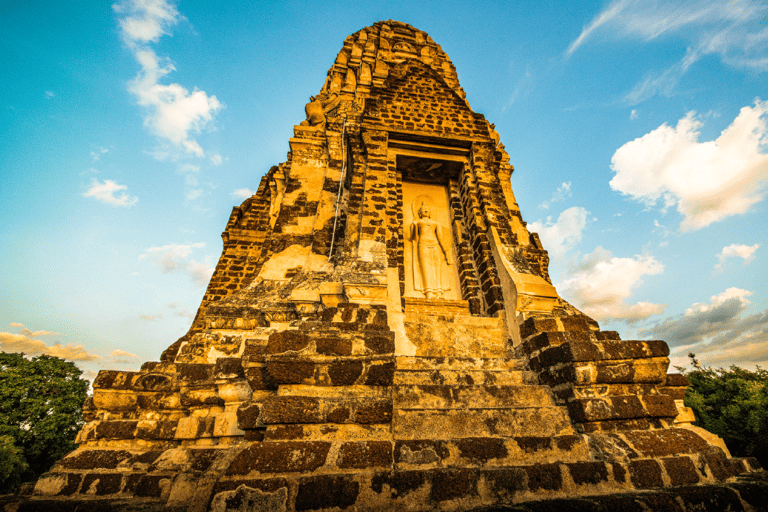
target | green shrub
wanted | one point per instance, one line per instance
(732, 404)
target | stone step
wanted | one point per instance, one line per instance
(498, 364)
(345, 392)
(463, 397)
(464, 423)
(488, 451)
(465, 377)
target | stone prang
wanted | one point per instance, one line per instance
(381, 333)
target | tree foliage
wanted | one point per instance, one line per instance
(732, 404)
(41, 403)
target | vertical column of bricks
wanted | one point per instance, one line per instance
(490, 195)
(355, 183)
(372, 223)
(470, 286)
(395, 245)
(481, 247)
(333, 228)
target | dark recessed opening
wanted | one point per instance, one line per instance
(428, 170)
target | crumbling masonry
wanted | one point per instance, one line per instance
(381, 333)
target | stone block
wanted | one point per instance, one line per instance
(114, 379)
(100, 484)
(118, 429)
(94, 459)
(547, 477)
(588, 473)
(280, 457)
(480, 450)
(681, 470)
(113, 400)
(326, 491)
(249, 416)
(226, 425)
(291, 372)
(57, 484)
(645, 474)
(291, 410)
(667, 442)
(188, 428)
(365, 454)
(286, 341)
(536, 325)
(452, 484)
(201, 396)
(152, 429)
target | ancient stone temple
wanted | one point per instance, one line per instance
(381, 333)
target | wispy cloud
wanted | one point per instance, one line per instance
(745, 252)
(562, 236)
(119, 356)
(176, 258)
(670, 166)
(601, 283)
(106, 193)
(562, 192)
(720, 332)
(26, 341)
(730, 29)
(173, 113)
(96, 155)
(243, 193)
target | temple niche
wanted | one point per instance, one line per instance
(430, 261)
(381, 333)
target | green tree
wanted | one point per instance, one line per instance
(12, 464)
(732, 404)
(41, 403)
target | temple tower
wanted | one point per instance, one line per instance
(381, 333)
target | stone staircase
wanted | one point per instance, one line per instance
(471, 412)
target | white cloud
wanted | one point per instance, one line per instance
(121, 353)
(560, 194)
(21, 342)
(16, 324)
(670, 166)
(189, 168)
(562, 236)
(152, 318)
(243, 193)
(745, 252)
(720, 333)
(173, 112)
(49, 94)
(119, 356)
(601, 282)
(633, 114)
(35, 334)
(191, 195)
(105, 193)
(97, 154)
(175, 258)
(732, 30)
(719, 300)
(217, 160)
(147, 19)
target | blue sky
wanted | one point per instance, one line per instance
(129, 130)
